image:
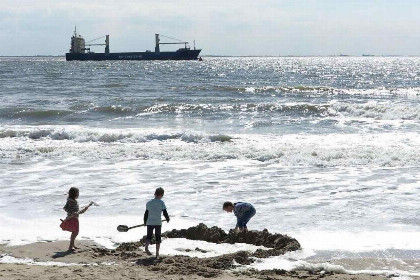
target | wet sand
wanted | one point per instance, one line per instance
(129, 261)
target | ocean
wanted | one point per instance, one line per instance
(327, 149)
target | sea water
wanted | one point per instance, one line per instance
(327, 149)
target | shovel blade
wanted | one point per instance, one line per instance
(122, 228)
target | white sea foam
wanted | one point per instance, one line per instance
(356, 241)
(282, 262)
(300, 260)
(100, 229)
(202, 249)
(6, 259)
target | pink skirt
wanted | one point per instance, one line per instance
(71, 225)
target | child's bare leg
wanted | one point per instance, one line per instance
(146, 247)
(72, 239)
(158, 240)
(157, 249)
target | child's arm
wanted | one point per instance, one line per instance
(165, 213)
(146, 215)
(75, 214)
(85, 208)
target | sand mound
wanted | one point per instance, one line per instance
(279, 243)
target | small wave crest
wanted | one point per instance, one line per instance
(32, 113)
(321, 90)
(303, 89)
(110, 136)
(298, 108)
(374, 110)
(370, 110)
(115, 109)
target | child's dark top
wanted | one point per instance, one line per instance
(71, 207)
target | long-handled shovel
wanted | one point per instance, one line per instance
(124, 228)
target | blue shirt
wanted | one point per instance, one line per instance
(240, 208)
(155, 207)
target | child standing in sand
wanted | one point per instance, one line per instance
(71, 223)
(152, 218)
(243, 211)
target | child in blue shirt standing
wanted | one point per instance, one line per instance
(152, 218)
(243, 211)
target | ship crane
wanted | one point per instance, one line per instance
(106, 44)
(180, 42)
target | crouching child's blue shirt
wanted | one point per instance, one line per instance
(243, 212)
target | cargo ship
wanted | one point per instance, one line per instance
(80, 50)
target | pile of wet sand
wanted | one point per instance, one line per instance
(279, 243)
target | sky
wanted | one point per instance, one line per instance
(229, 27)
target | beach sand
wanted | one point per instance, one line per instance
(92, 261)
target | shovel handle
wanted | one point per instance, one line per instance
(142, 225)
(137, 226)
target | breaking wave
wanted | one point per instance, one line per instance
(379, 110)
(381, 149)
(374, 110)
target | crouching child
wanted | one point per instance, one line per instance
(243, 212)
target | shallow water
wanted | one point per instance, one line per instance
(327, 149)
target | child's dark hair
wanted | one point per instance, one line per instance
(73, 192)
(227, 204)
(159, 192)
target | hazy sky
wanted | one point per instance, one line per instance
(229, 27)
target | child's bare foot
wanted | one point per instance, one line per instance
(147, 251)
(76, 247)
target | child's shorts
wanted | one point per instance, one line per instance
(245, 218)
(71, 225)
(158, 230)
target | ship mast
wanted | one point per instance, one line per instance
(157, 40)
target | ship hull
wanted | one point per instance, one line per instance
(181, 54)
